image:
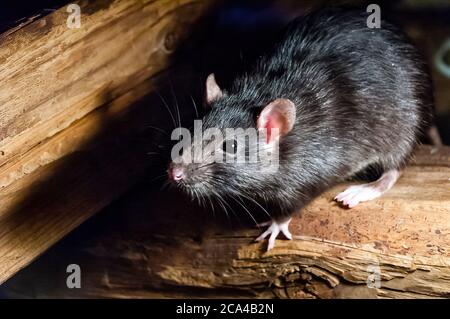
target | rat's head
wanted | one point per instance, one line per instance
(234, 148)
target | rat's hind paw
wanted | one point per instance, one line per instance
(274, 230)
(353, 195)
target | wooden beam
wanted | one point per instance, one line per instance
(155, 244)
(53, 76)
(63, 95)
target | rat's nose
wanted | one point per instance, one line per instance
(176, 173)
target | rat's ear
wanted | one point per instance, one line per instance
(278, 118)
(213, 91)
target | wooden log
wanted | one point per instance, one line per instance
(63, 96)
(153, 244)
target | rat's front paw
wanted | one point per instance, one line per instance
(274, 230)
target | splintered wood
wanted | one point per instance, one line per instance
(156, 244)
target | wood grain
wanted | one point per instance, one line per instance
(157, 244)
(53, 76)
(67, 147)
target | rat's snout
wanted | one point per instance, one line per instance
(176, 172)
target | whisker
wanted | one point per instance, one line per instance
(212, 207)
(254, 201)
(205, 165)
(238, 192)
(158, 129)
(168, 109)
(154, 153)
(195, 195)
(195, 106)
(222, 202)
(176, 103)
(245, 208)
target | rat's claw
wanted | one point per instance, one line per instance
(274, 230)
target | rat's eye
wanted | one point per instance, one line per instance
(230, 146)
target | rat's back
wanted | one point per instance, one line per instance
(366, 87)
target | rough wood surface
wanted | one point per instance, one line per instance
(153, 244)
(53, 76)
(64, 153)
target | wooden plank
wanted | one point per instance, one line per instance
(67, 146)
(157, 244)
(89, 173)
(52, 75)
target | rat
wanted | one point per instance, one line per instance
(332, 99)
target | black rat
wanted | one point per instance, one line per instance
(335, 97)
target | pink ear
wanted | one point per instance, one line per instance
(278, 118)
(213, 91)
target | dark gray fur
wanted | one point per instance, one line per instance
(363, 97)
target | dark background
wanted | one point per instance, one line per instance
(240, 30)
